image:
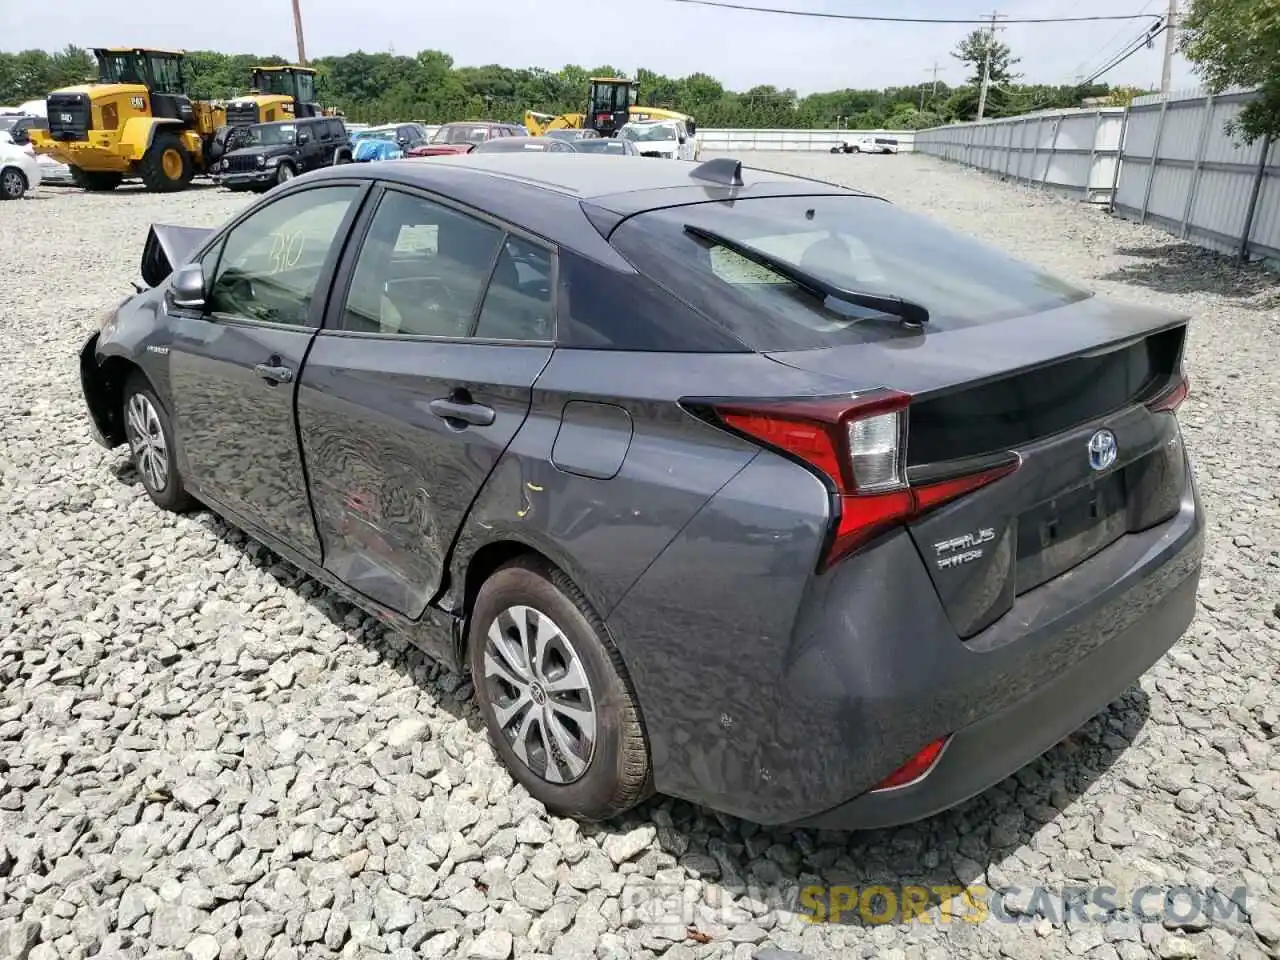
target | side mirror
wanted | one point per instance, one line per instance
(682, 138)
(187, 288)
(693, 129)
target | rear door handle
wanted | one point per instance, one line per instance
(476, 414)
(274, 374)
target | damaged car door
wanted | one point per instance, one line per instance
(236, 354)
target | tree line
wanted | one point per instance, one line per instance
(429, 87)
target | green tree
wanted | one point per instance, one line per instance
(1237, 43)
(974, 50)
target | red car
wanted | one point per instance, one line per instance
(462, 137)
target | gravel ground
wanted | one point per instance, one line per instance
(205, 755)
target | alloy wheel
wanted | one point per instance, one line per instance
(12, 184)
(540, 694)
(147, 441)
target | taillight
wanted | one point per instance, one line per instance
(915, 768)
(858, 443)
(1172, 398)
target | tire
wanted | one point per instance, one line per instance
(855, 150)
(285, 172)
(613, 776)
(836, 150)
(341, 157)
(150, 435)
(166, 167)
(13, 183)
(99, 181)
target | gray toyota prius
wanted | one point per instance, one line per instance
(721, 484)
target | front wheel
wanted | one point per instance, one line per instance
(284, 173)
(555, 694)
(13, 184)
(166, 166)
(150, 436)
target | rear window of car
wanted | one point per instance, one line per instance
(857, 243)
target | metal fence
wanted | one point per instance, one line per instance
(1071, 151)
(1183, 172)
(1165, 161)
(722, 140)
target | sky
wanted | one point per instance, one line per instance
(739, 49)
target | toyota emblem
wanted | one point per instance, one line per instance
(1102, 450)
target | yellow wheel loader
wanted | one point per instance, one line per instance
(276, 93)
(136, 120)
(611, 102)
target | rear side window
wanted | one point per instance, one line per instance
(858, 243)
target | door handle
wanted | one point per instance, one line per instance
(274, 374)
(476, 414)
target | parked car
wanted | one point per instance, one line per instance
(19, 171)
(614, 146)
(669, 139)
(463, 137)
(519, 144)
(867, 145)
(260, 155)
(387, 142)
(17, 127)
(724, 484)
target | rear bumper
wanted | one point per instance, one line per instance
(1063, 654)
(984, 753)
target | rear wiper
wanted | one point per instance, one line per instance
(911, 314)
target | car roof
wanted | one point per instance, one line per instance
(547, 193)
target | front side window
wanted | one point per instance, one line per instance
(421, 270)
(270, 263)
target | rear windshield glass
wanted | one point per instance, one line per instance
(856, 243)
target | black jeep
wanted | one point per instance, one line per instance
(260, 155)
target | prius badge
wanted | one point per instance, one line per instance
(1102, 450)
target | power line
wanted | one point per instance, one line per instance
(867, 17)
(1114, 37)
(1138, 44)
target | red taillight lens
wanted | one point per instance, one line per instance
(859, 443)
(913, 769)
(1172, 398)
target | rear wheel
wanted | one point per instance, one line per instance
(555, 695)
(150, 436)
(13, 183)
(166, 166)
(96, 180)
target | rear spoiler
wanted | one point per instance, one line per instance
(168, 247)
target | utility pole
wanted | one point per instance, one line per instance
(934, 95)
(1170, 45)
(986, 65)
(297, 29)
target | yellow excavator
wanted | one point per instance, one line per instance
(276, 93)
(135, 120)
(611, 102)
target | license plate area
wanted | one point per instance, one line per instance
(1056, 535)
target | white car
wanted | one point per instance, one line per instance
(19, 171)
(867, 145)
(669, 139)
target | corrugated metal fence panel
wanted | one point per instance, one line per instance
(1165, 161)
(1073, 151)
(723, 139)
